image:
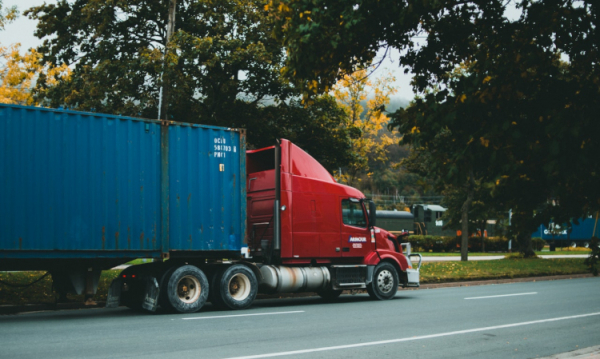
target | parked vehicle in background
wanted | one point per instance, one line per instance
(428, 220)
(84, 192)
(577, 235)
(396, 222)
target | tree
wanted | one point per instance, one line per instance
(320, 129)
(351, 92)
(19, 73)
(7, 15)
(221, 65)
(523, 108)
(482, 208)
(444, 156)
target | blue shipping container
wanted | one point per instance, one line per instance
(584, 231)
(83, 185)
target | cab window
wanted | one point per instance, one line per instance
(353, 214)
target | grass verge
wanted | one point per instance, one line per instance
(479, 254)
(431, 272)
(440, 272)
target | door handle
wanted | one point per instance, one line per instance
(346, 249)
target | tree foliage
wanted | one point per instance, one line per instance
(20, 72)
(7, 15)
(513, 100)
(221, 65)
(364, 101)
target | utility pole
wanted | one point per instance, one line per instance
(163, 106)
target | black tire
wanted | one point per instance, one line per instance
(330, 294)
(186, 289)
(370, 292)
(163, 299)
(385, 282)
(234, 287)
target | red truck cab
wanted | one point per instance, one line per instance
(298, 215)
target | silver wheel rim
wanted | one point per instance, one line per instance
(188, 289)
(239, 286)
(385, 281)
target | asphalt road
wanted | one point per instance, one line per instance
(519, 320)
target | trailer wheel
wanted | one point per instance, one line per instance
(385, 282)
(163, 297)
(234, 287)
(187, 289)
(330, 294)
(586, 244)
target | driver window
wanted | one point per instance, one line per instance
(353, 214)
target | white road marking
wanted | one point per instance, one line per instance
(382, 342)
(504, 295)
(243, 315)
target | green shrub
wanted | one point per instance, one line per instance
(434, 243)
(537, 243)
(428, 243)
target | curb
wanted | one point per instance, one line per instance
(501, 281)
(587, 353)
(28, 308)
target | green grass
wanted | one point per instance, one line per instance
(431, 272)
(479, 254)
(439, 272)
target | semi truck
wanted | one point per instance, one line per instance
(84, 192)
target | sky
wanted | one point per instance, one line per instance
(22, 30)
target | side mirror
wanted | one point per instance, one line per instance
(372, 213)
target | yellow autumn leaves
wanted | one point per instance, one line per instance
(19, 73)
(363, 100)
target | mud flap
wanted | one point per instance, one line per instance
(151, 295)
(113, 299)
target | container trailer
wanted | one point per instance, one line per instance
(85, 192)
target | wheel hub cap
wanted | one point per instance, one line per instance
(385, 281)
(188, 289)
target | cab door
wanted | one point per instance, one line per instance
(356, 236)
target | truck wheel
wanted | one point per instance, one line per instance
(163, 297)
(329, 294)
(187, 289)
(385, 282)
(234, 287)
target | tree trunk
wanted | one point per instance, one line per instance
(482, 226)
(521, 222)
(525, 246)
(464, 244)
